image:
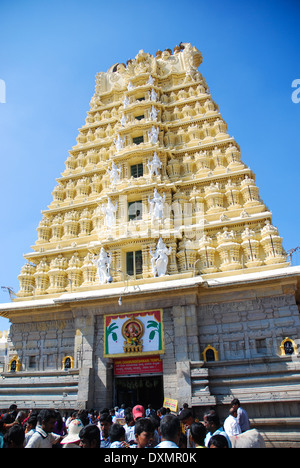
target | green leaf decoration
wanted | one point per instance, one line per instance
(114, 336)
(152, 324)
(111, 328)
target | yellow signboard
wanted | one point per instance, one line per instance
(171, 404)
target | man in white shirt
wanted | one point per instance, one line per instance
(242, 415)
(170, 432)
(212, 424)
(43, 436)
(231, 425)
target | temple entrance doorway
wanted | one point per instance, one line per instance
(140, 390)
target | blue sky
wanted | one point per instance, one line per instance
(51, 51)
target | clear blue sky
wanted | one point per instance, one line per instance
(51, 51)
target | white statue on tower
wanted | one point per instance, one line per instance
(110, 213)
(123, 120)
(126, 102)
(103, 263)
(153, 135)
(154, 165)
(153, 114)
(119, 142)
(157, 205)
(114, 174)
(129, 86)
(160, 259)
(152, 95)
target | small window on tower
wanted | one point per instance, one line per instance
(138, 140)
(135, 210)
(136, 170)
(134, 263)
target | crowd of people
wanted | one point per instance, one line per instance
(120, 428)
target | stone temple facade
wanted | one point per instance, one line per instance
(157, 272)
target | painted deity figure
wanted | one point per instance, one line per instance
(154, 165)
(119, 142)
(103, 263)
(110, 212)
(133, 334)
(153, 135)
(159, 260)
(150, 80)
(114, 174)
(157, 205)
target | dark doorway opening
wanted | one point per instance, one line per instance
(140, 390)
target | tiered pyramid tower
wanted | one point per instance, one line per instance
(154, 187)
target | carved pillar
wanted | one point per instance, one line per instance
(250, 192)
(172, 265)
(70, 225)
(233, 156)
(233, 195)
(85, 223)
(202, 160)
(41, 277)
(56, 228)
(214, 198)
(251, 249)
(272, 244)
(58, 193)
(74, 272)
(57, 274)
(44, 231)
(26, 278)
(70, 190)
(89, 270)
(186, 348)
(207, 255)
(229, 251)
(83, 355)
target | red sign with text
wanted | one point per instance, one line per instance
(149, 365)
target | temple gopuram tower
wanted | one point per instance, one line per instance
(157, 272)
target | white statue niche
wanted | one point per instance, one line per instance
(160, 259)
(114, 174)
(154, 165)
(110, 212)
(153, 114)
(119, 142)
(153, 135)
(157, 205)
(103, 263)
(152, 95)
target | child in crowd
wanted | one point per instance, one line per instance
(218, 441)
(144, 433)
(105, 424)
(30, 427)
(198, 433)
(117, 436)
